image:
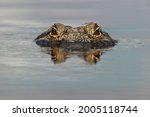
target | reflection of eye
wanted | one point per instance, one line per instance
(54, 32)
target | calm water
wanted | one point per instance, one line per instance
(26, 72)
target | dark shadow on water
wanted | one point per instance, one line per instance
(62, 51)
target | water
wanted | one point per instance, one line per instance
(26, 72)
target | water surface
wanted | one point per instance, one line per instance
(26, 72)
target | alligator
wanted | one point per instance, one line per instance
(87, 42)
(90, 34)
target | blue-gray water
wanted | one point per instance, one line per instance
(28, 73)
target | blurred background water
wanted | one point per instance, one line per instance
(28, 73)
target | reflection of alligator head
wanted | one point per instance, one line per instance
(60, 55)
(87, 39)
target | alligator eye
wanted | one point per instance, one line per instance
(54, 32)
(97, 32)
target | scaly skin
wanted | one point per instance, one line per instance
(88, 33)
(83, 37)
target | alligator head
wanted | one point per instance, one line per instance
(88, 33)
